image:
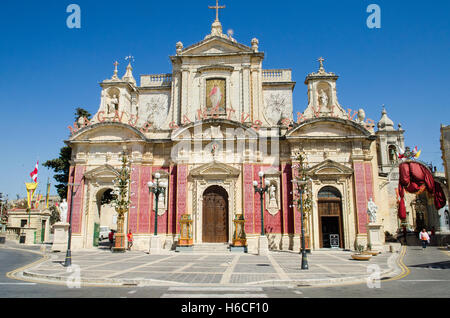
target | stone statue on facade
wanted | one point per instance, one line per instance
(272, 191)
(273, 197)
(323, 98)
(115, 103)
(63, 211)
(372, 211)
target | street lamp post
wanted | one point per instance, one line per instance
(68, 261)
(261, 190)
(301, 189)
(157, 188)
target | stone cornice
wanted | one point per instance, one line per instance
(292, 84)
(366, 134)
(220, 67)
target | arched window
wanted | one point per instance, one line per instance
(329, 193)
(392, 153)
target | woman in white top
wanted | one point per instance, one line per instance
(424, 238)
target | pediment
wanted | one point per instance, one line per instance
(330, 168)
(214, 129)
(272, 172)
(216, 46)
(215, 170)
(103, 172)
(328, 127)
(108, 131)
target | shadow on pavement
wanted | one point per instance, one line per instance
(437, 265)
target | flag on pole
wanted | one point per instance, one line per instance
(48, 193)
(38, 200)
(34, 173)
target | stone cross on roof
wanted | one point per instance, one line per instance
(321, 60)
(217, 7)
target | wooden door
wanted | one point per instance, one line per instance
(215, 217)
(330, 221)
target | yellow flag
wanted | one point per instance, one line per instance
(31, 188)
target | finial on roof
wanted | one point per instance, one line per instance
(217, 7)
(179, 47)
(115, 70)
(321, 60)
(216, 29)
(128, 77)
(385, 122)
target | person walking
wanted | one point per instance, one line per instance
(130, 240)
(405, 234)
(424, 238)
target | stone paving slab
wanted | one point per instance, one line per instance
(278, 268)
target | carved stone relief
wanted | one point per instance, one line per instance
(157, 109)
(277, 107)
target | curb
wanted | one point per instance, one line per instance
(22, 274)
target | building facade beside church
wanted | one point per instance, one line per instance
(209, 127)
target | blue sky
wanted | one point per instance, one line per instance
(47, 69)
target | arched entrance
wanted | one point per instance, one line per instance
(105, 219)
(330, 218)
(215, 215)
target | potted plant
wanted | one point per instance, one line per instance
(370, 252)
(359, 255)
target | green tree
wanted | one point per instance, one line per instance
(81, 113)
(55, 217)
(61, 165)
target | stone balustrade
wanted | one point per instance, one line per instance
(156, 80)
(13, 233)
(278, 75)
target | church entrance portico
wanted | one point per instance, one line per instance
(98, 208)
(215, 198)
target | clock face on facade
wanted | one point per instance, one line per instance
(216, 95)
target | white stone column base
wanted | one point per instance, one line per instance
(155, 245)
(263, 245)
(374, 237)
(60, 237)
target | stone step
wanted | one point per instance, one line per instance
(211, 247)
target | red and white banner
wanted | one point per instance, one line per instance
(34, 174)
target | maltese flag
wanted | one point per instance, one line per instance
(34, 174)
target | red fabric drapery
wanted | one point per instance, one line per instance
(414, 178)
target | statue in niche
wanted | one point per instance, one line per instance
(372, 211)
(273, 206)
(323, 98)
(113, 104)
(161, 203)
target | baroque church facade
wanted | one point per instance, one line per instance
(209, 128)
